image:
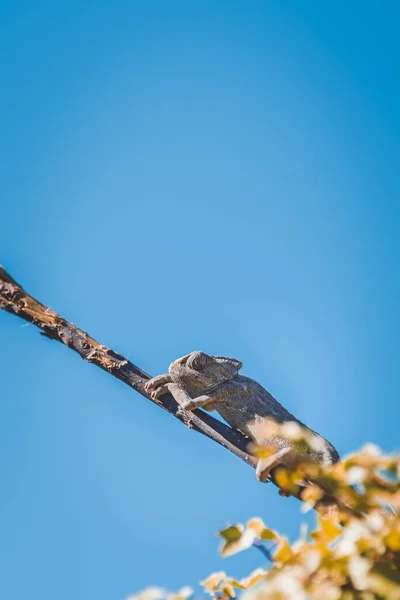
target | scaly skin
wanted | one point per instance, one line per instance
(199, 380)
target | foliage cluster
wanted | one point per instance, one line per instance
(352, 553)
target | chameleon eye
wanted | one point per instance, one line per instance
(197, 361)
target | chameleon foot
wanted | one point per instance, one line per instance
(285, 456)
(157, 386)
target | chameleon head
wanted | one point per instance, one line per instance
(198, 373)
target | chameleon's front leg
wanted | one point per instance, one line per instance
(157, 386)
(163, 384)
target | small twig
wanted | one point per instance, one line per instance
(264, 551)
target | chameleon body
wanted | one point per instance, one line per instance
(199, 380)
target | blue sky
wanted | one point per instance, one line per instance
(179, 176)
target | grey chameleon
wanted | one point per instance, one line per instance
(199, 380)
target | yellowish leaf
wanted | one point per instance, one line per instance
(268, 534)
(257, 525)
(255, 577)
(312, 494)
(393, 540)
(212, 582)
(232, 537)
(228, 590)
(329, 528)
(283, 552)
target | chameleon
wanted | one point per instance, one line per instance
(200, 380)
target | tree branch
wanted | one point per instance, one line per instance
(15, 300)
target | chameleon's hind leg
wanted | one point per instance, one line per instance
(284, 456)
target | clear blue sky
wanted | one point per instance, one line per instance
(214, 175)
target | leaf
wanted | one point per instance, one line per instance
(358, 570)
(393, 540)
(236, 538)
(257, 525)
(212, 582)
(312, 494)
(329, 528)
(390, 572)
(149, 593)
(233, 540)
(228, 590)
(283, 553)
(260, 451)
(268, 534)
(255, 577)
